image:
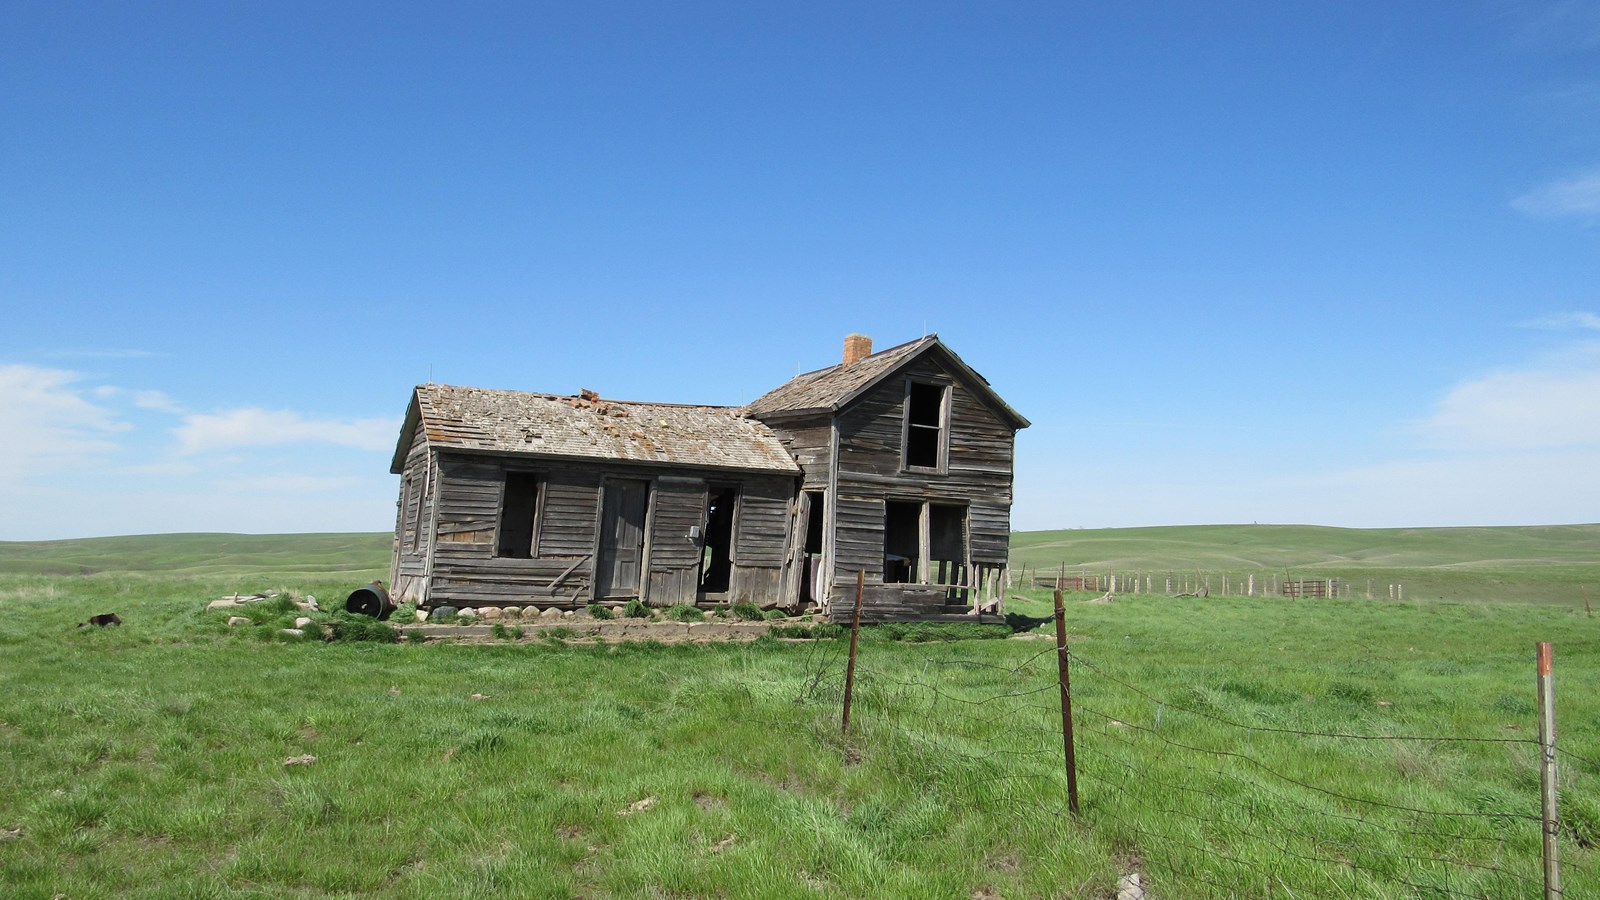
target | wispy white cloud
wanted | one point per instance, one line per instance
(157, 401)
(255, 427)
(160, 468)
(1553, 403)
(1566, 321)
(1576, 195)
(51, 421)
(1514, 446)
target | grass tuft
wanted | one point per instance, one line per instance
(747, 611)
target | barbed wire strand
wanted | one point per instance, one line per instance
(951, 736)
(1076, 657)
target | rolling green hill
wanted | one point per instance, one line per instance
(200, 554)
(1553, 563)
(1550, 564)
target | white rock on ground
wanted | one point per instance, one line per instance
(468, 612)
(302, 622)
(551, 613)
(224, 603)
(238, 620)
(422, 615)
(294, 632)
(489, 613)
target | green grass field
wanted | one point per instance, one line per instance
(150, 760)
(1547, 564)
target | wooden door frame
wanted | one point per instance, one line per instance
(644, 539)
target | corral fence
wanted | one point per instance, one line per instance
(1192, 797)
(1202, 583)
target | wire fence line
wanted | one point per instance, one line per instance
(1199, 582)
(1196, 803)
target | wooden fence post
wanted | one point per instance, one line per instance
(1547, 772)
(850, 667)
(1066, 707)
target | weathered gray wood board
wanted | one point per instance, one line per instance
(566, 570)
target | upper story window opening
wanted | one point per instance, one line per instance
(927, 415)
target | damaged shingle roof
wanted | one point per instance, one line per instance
(827, 389)
(830, 390)
(587, 427)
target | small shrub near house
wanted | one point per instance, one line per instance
(818, 631)
(683, 612)
(348, 627)
(748, 612)
(600, 612)
(636, 610)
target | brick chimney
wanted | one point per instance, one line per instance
(856, 348)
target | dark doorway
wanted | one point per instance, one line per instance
(811, 553)
(621, 538)
(716, 558)
(902, 541)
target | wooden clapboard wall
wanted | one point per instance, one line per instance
(408, 577)
(467, 572)
(977, 474)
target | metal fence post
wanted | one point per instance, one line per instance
(1547, 773)
(1066, 707)
(850, 667)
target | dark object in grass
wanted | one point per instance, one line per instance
(102, 620)
(370, 600)
(1019, 623)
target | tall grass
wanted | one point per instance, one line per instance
(154, 760)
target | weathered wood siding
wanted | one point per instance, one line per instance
(763, 523)
(761, 557)
(466, 571)
(571, 507)
(810, 442)
(408, 577)
(674, 555)
(761, 586)
(858, 537)
(978, 474)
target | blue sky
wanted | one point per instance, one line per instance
(1237, 261)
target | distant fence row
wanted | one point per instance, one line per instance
(1202, 584)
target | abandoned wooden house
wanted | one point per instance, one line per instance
(897, 464)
